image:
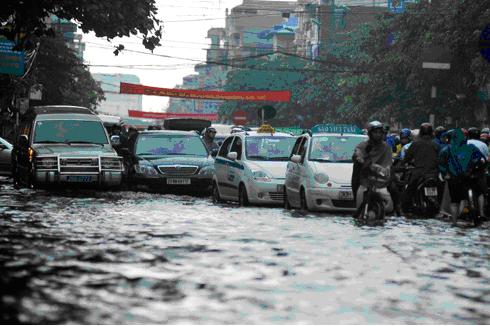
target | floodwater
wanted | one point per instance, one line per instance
(134, 257)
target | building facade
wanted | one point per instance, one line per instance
(116, 103)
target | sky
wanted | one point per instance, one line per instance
(185, 26)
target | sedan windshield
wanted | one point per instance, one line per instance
(337, 149)
(70, 131)
(269, 148)
(163, 144)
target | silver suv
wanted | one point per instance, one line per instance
(64, 145)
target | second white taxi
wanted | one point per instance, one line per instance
(318, 176)
(250, 167)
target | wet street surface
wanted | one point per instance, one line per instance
(134, 257)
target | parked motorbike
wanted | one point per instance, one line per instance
(372, 209)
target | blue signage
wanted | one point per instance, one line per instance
(11, 62)
(336, 129)
(484, 43)
(398, 6)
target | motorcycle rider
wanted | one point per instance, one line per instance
(457, 162)
(405, 142)
(474, 139)
(439, 134)
(367, 153)
(208, 139)
(423, 156)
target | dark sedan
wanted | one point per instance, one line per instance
(165, 160)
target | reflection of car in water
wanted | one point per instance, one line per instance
(319, 174)
(251, 166)
(166, 160)
(5, 157)
(64, 144)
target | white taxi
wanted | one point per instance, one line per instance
(319, 173)
(251, 167)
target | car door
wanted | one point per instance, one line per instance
(235, 172)
(222, 166)
(292, 174)
(303, 173)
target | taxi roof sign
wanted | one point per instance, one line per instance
(265, 129)
(296, 131)
(336, 129)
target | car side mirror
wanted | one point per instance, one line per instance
(116, 140)
(23, 141)
(296, 158)
(214, 152)
(232, 156)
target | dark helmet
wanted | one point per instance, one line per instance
(405, 133)
(426, 129)
(485, 131)
(474, 133)
(373, 125)
(440, 131)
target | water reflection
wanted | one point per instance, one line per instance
(134, 257)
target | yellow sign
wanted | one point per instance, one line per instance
(266, 129)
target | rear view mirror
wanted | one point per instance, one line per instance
(296, 158)
(232, 155)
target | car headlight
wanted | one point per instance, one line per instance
(261, 176)
(321, 178)
(207, 171)
(145, 169)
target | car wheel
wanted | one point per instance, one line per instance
(215, 194)
(287, 206)
(243, 196)
(304, 202)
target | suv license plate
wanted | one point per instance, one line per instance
(178, 181)
(346, 195)
(79, 178)
(430, 191)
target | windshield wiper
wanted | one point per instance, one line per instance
(278, 158)
(83, 142)
(257, 157)
(48, 142)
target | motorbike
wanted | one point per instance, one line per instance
(426, 201)
(470, 211)
(372, 209)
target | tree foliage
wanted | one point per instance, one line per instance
(24, 20)
(64, 78)
(396, 85)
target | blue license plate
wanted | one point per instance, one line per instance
(78, 178)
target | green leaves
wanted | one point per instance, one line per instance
(109, 19)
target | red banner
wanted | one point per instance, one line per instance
(272, 96)
(168, 115)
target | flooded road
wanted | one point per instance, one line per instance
(134, 257)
